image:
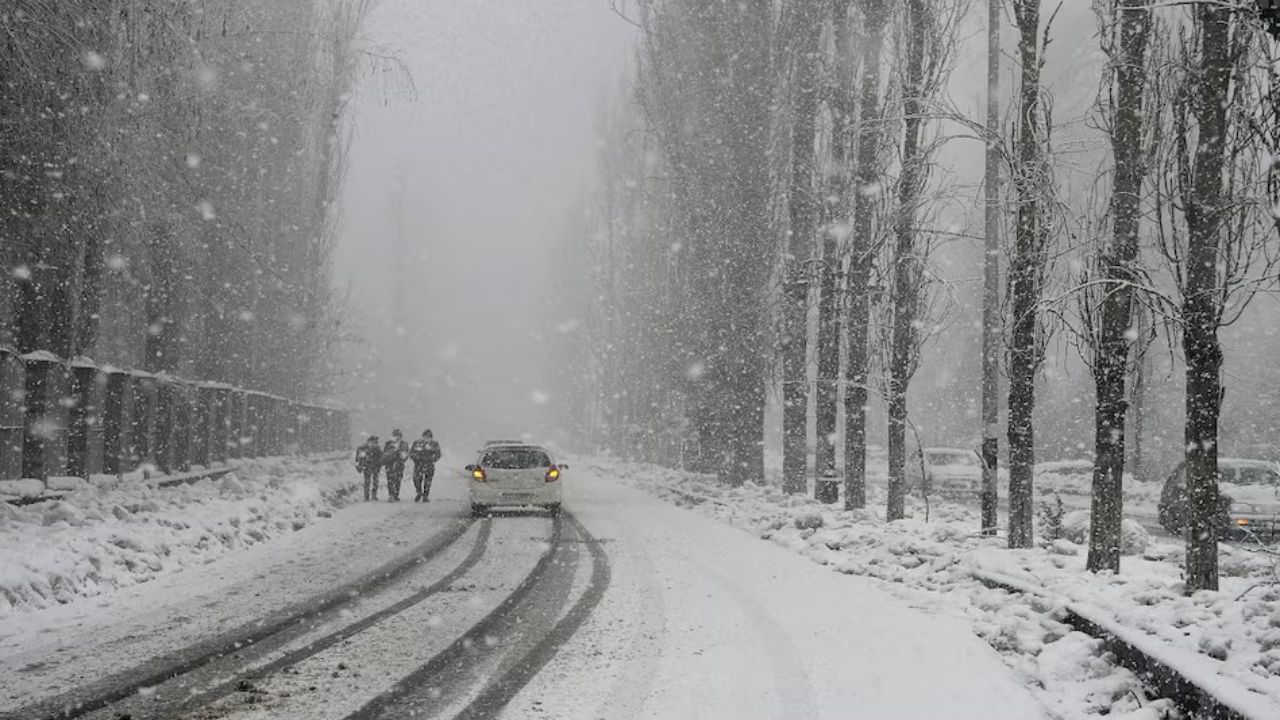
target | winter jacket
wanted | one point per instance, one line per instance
(394, 454)
(424, 450)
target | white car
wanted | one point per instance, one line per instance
(946, 471)
(514, 475)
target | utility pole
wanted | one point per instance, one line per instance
(991, 284)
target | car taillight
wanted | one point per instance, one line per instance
(553, 474)
(478, 474)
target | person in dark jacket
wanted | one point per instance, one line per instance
(424, 452)
(394, 455)
(369, 463)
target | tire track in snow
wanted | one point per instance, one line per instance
(275, 630)
(450, 674)
(795, 691)
(319, 645)
(497, 694)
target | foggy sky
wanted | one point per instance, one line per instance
(492, 153)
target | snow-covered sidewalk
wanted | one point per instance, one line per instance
(104, 536)
(1232, 638)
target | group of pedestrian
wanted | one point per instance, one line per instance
(372, 457)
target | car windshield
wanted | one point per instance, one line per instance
(515, 459)
(951, 457)
(1255, 475)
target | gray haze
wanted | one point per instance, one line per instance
(449, 282)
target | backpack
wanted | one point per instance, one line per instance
(362, 457)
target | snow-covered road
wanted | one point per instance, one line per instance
(703, 620)
(627, 607)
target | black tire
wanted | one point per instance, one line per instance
(478, 510)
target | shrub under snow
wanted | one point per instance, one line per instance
(1134, 538)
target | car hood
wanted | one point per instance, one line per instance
(1262, 497)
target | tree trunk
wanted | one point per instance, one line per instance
(1025, 278)
(1118, 266)
(991, 283)
(827, 392)
(1138, 416)
(804, 209)
(858, 314)
(1200, 305)
(746, 127)
(906, 261)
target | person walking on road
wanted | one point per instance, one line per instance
(369, 463)
(425, 453)
(394, 455)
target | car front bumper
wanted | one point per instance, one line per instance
(1248, 526)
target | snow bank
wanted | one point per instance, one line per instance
(99, 537)
(1134, 538)
(931, 564)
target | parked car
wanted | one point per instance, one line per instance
(945, 471)
(1248, 502)
(515, 475)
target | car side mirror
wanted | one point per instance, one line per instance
(565, 466)
(470, 468)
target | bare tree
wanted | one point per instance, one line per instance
(1027, 262)
(805, 210)
(1214, 227)
(862, 251)
(1126, 26)
(991, 280)
(929, 32)
(842, 103)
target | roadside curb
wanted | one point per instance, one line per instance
(1183, 676)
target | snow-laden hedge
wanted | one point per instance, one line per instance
(105, 536)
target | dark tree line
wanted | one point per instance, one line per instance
(743, 229)
(769, 207)
(167, 178)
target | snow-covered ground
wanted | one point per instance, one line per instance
(711, 610)
(704, 620)
(49, 650)
(1232, 635)
(109, 535)
(699, 619)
